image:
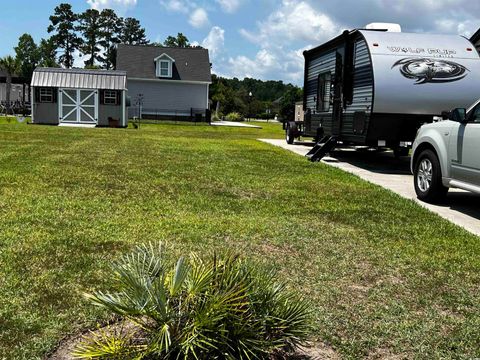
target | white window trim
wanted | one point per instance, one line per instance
(46, 93)
(164, 58)
(110, 95)
(159, 68)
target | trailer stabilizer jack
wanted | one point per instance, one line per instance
(321, 149)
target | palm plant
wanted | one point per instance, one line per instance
(10, 65)
(219, 308)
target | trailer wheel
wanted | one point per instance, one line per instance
(289, 137)
(428, 178)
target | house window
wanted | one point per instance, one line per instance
(164, 68)
(110, 97)
(46, 95)
(324, 92)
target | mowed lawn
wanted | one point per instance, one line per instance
(385, 276)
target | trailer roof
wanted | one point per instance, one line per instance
(407, 42)
(80, 78)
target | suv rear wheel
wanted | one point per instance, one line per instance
(428, 178)
(289, 138)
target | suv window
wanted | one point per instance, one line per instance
(475, 115)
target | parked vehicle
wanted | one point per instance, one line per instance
(446, 154)
(376, 87)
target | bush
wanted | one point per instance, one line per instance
(234, 116)
(218, 308)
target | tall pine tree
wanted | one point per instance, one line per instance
(110, 27)
(133, 33)
(63, 23)
(90, 25)
(179, 41)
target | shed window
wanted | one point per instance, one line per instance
(323, 91)
(110, 97)
(46, 95)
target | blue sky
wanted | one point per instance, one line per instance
(256, 38)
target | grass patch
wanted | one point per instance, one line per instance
(386, 276)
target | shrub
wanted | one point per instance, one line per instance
(234, 116)
(218, 308)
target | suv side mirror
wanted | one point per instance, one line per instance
(459, 115)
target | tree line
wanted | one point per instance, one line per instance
(254, 98)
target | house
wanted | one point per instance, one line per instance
(79, 97)
(16, 92)
(164, 82)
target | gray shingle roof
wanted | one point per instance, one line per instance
(191, 64)
(80, 78)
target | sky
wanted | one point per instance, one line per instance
(263, 39)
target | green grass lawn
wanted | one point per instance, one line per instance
(386, 276)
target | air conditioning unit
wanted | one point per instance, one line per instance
(390, 27)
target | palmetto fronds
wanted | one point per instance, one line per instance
(215, 308)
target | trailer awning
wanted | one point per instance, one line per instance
(80, 78)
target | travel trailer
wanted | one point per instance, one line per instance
(376, 86)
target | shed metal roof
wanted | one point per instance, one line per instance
(80, 78)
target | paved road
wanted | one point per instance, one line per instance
(460, 207)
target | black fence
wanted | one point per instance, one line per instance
(152, 115)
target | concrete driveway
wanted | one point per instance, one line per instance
(381, 168)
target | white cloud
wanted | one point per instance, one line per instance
(199, 18)
(181, 6)
(294, 21)
(279, 37)
(214, 42)
(277, 64)
(119, 5)
(229, 6)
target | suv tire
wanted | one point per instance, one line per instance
(427, 178)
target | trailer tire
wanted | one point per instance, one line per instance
(427, 177)
(289, 134)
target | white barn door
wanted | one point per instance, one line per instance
(78, 106)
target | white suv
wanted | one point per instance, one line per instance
(447, 154)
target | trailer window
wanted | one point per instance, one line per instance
(323, 91)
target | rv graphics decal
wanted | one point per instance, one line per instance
(428, 70)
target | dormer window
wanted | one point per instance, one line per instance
(164, 65)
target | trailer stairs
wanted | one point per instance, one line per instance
(322, 148)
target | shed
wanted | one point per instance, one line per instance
(79, 96)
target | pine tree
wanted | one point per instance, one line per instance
(133, 33)
(90, 24)
(63, 24)
(47, 53)
(111, 27)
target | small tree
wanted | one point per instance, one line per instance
(47, 53)
(132, 33)
(179, 41)
(10, 65)
(28, 58)
(90, 28)
(63, 25)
